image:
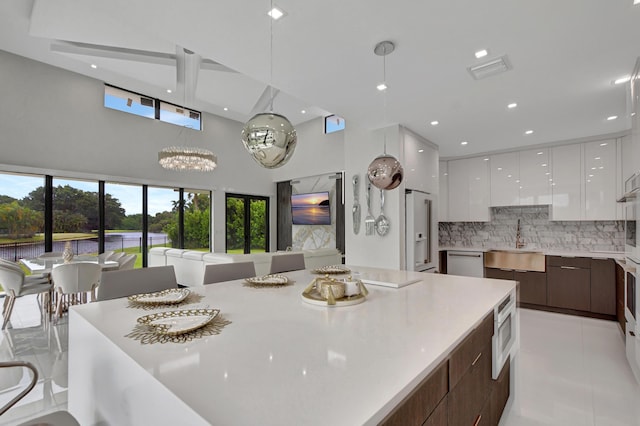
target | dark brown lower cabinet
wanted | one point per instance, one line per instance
(501, 391)
(620, 288)
(569, 287)
(439, 417)
(603, 286)
(533, 287)
(467, 400)
(501, 274)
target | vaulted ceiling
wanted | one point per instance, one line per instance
(563, 58)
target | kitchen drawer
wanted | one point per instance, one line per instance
(440, 415)
(501, 274)
(422, 401)
(470, 350)
(469, 399)
(569, 287)
(533, 287)
(501, 391)
(575, 262)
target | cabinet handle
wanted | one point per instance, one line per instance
(568, 257)
(464, 255)
(521, 270)
(506, 270)
(632, 334)
(477, 422)
(568, 267)
(476, 360)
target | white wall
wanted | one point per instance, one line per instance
(53, 121)
(361, 147)
(315, 154)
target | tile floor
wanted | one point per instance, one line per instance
(569, 370)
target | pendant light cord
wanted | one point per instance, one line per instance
(384, 99)
(271, 56)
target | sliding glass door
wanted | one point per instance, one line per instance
(247, 223)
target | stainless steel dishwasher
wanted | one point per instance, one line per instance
(466, 263)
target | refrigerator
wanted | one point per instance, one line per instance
(421, 237)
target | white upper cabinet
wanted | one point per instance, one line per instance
(443, 194)
(505, 178)
(600, 180)
(535, 177)
(566, 186)
(420, 164)
(469, 190)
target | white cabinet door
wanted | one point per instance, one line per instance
(600, 180)
(535, 177)
(504, 179)
(479, 192)
(458, 191)
(443, 193)
(565, 189)
(420, 164)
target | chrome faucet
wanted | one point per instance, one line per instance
(519, 242)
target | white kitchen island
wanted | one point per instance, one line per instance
(281, 361)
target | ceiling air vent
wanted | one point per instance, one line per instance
(146, 101)
(489, 68)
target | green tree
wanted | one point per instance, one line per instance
(235, 223)
(132, 222)
(197, 212)
(20, 221)
(258, 224)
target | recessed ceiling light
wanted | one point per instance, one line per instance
(528, 132)
(225, 108)
(499, 168)
(622, 79)
(486, 159)
(94, 66)
(435, 123)
(508, 175)
(596, 158)
(613, 117)
(421, 150)
(604, 144)
(168, 90)
(464, 143)
(512, 105)
(544, 164)
(481, 53)
(275, 13)
(304, 111)
(381, 87)
(540, 153)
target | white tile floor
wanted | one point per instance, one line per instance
(569, 370)
(572, 371)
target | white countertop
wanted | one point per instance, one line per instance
(281, 360)
(547, 252)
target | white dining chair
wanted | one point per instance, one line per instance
(118, 283)
(220, 272)
(57, 418)
(103, 257)
(72, 283)
(287, 262)
(16, 284)
(127, 261)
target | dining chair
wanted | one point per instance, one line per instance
(115, 256)
(16, 284)
(219, 272)
(57, 418)
(73, 281)
(127, 261)
(287, 262)
(122, 283)
(102, 257)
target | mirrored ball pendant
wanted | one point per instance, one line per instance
(385, 172)
(270, 139)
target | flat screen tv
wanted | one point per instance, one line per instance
(311, 209)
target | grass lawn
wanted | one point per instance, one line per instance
(241, 251)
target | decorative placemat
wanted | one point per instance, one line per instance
(190, 299)
(147, 334)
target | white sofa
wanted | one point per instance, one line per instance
(189, 264)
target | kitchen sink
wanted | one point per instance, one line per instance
(515, 259)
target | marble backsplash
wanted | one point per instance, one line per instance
(536, 230)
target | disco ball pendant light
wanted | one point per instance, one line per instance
(270, 138)
(385, 171)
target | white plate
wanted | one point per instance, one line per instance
(271, 279)
(170, 297)
(332, 269)
(179, 322)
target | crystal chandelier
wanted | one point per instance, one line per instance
(187, 158)
(184, 158)
(385, 171)
(270, 138)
